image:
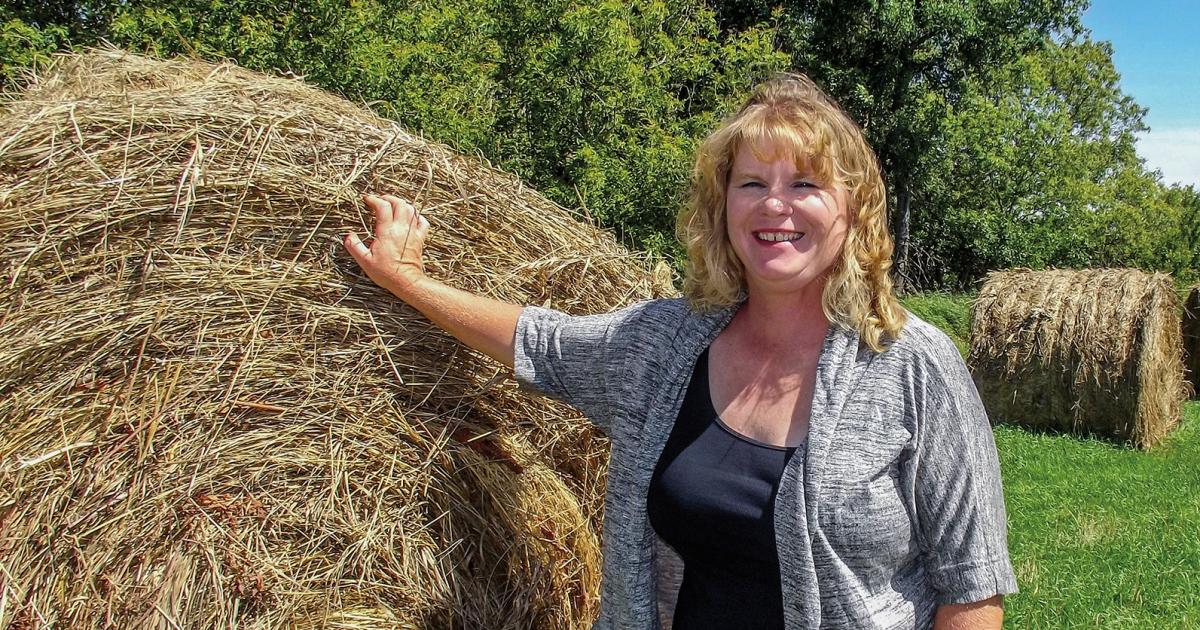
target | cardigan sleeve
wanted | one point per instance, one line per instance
(570, 358)
(961, 519)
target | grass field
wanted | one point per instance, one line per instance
(1101, 536)
(951, 313)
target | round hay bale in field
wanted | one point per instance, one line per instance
(212, 419)
(1093, 351)
(1191, 337)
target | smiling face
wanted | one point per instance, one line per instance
(786, 226)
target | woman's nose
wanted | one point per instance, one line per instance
(775, 205)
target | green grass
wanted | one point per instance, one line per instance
(1101, 535)
(950, 312)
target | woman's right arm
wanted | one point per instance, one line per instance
(393, 260)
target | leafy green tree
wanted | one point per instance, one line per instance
(1147, 225)
(406, 59)
(23, 44)
(605, 102)
(1013, 180)
(1037, 167)
(1185, 203)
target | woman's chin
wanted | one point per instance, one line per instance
(781, 282)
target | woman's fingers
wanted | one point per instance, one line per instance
(403, 211)
(358, 249)
(394, 257)
(384, 213)
(389, 210)
(398, 205)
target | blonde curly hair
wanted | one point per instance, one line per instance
(791, 113)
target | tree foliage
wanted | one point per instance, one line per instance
(23, 44)
(1037, 167)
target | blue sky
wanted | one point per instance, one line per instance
(1157, 51)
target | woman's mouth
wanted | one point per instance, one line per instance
(778, 237)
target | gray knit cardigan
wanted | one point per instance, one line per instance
(895, 508)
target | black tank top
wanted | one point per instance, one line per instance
(712, 498)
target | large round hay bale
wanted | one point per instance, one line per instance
(1191, 337)
(1090, 352)
(209, 418)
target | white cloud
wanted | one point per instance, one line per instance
(1175, 152)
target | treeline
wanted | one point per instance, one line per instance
(1004, 135)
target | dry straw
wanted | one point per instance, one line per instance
(211, 419)
(1191, 336)
(1093, 352)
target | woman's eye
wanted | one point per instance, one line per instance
(803, 184)
(750, 185)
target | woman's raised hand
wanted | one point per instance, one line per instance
(393, 260)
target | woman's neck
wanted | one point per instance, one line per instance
(783, 321)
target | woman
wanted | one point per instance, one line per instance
(817, 456)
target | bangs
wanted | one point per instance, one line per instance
(771, 135)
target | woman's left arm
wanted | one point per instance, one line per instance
(985, 615)
(960, 518)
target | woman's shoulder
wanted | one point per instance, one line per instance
(920, 341)
(659, 307)
(923, 356)
(923, 370)
(643, 312)
(643, 324)
(662, 316)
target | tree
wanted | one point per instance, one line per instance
(23, 44)
(1037, 167)
(1186, 201)
(605, 102)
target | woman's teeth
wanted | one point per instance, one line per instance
(777, 237)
